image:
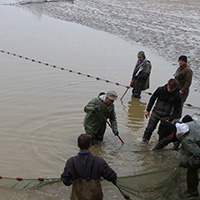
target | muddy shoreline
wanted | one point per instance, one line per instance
(168, 28)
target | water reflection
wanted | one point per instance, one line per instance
(135, 114)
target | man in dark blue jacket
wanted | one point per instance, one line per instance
(84, 172)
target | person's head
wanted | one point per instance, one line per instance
(172, 85)
(182, 60)
(84, 141)
(141, 56)
(111, 96)
(166, 130)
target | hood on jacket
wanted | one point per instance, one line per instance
(181, 129)
(102, 96)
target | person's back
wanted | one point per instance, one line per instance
(84, 172)
(191, 142)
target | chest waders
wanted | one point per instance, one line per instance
(86, 189)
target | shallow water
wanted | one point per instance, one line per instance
(169, 28)
(42, 107)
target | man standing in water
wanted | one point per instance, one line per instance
(84, 172)
(140, 77)
(167, 107)
(96, 110)
(184, 77)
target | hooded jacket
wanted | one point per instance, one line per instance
(191, 143)
(141, 76)
(168, 104)
(94, 123)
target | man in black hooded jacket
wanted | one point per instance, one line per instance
(167, 107)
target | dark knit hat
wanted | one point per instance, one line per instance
(183, 58)
(186, 118)
(165, 129)
(141, 54)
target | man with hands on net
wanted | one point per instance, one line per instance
(186, 132)
(84, 172)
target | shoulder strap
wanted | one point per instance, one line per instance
(91, 168)
(75, 170)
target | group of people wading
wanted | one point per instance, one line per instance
(84, 170)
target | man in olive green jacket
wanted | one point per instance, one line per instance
(141, 73)
(184, 77)
(94, 122)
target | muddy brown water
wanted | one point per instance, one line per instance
(42, 107)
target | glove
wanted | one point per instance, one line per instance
(184, 164)
(176, 145)
(114, 182)
(116, 132)
(95, 108)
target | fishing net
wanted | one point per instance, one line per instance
(19, 183)
(162, 184)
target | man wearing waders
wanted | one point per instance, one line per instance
(84, 172)
(97, 111)
(184, 77)
(188, 134)
(167, 107)
(140, 77)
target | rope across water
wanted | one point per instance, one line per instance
(62, 68)
(77, 72)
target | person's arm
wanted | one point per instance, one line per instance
(153, 99)
(133, 75)
(188, 81)
(107, 172)
(67, 175)
(88, 108)
(161, 144)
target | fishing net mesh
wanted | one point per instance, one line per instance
(13, 183)
(163, 184)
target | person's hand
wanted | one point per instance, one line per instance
(147, 114)
(176, 145)
(180, 92)
(95, 108)
(116, 132)
(184, 164)
(114, 182)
